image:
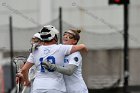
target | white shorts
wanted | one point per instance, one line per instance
(47, 91)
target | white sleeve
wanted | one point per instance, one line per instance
(75, 58)
(66, 49)
(30, 58)
(67, 70)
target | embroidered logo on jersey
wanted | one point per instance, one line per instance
(46, 51)
(76, 59)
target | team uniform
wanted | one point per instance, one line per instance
(35, 42)
(49, 81)
(75, 82)
(31, 75)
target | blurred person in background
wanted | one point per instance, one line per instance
(48, 81)
(35, 43)
(72, 69)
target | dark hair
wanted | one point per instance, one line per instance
(75, 33)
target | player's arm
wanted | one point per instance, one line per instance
(67, 70)
(79, 47)
(25, 70)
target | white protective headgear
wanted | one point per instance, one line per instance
(48, 33)
(36, 35)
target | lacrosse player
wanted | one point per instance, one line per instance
(48, 81)
(35, 43)
(72, 69)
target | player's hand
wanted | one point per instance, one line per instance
(19, 78)
(48, 66)
(27, 83)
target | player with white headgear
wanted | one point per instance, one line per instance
(35, 43)
(72, 68)
(50, 32)
(49, 81)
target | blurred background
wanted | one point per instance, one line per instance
(102, 26)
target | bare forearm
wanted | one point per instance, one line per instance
(80, 47)
(25, 70)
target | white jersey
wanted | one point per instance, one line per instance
(45, 79)
(75, 82)
(32, 70)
